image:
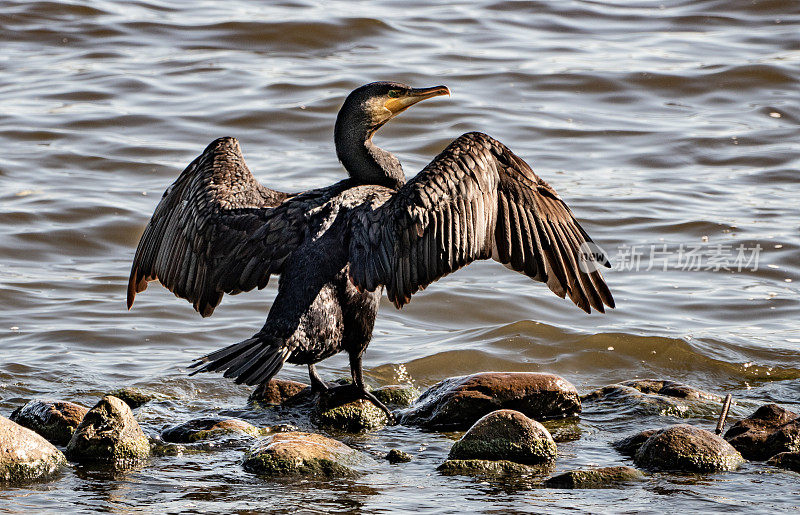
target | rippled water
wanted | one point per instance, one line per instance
(666, 126)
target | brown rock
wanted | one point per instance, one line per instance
(109, 435)
(765, 433)
(629, 445)
(670, 389)
(26, 456)
(457, 402)
(662, 397)
(211, 428)
(687, 449)
(490, 468)
(54, 420)
(303, 454)
(786, 460)
(506, 435)
(277, 391)
(603, 477)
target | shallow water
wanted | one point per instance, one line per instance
(668, 127)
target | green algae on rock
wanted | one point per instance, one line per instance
(604, 477)
(25, 455)
(133, 396)
(506, 435)
(662, 397)
(304, 454)
(686, 448)
(355, 416)
(489, 468)
(396, 396)
(110, 435)
(56, 421)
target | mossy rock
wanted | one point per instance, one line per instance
(304, 454)
(133, 396)
(684, 448)
(355, 416)
(487, 468)
(605, 477)
(396, 396)
(26, 456)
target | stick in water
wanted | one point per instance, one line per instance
(722, 416)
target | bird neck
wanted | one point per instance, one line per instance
(365, 161)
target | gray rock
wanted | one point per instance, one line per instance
(456, 403)
(398, 456)
(212, 428)
(506, 435)
(134, 397)
(26, 456)
(54, 420)
(767, 432)
(396, 396)
(109, 435)
(489, 468)
(687, 449)
(605, 477)
(629, 445)
(277, 391)
(786, 460)
(304, 454)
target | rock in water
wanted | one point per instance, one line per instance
(397, 456)
(765, 433)
(651, 396)
(687, 449)
(54, 420)
(276, 391)
(211, 428)
(786, 460)
(485, 468)
(506, 435)
(604, 477)
(303, 454)
(26, 456)
(133, 397)
(629, 445)
(396, 396)
(109, 435)
(458, 402)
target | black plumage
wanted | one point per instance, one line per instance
(217, 230)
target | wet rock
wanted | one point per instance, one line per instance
(54, 420)
(277, 391)
(564, 429)
(396, 396)
(458, 402)
(629, 445)
(211, 428)
(506, 435)
(25, 455)
(303, 454)
(786, 460)
(487, 467)
(686, 448)
(765, 433)
(604, 477)
(398, 456)
(662, 397)
(354, 416)
(134, 397)
(109, 435)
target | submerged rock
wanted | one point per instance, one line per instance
(786, 460)
(134, 397)
(629, 445)
(489, 468)
(109, 435)
(398, 456)
(211, 428)
(506, 435)
(457, 402)
(686, 448)
(25, 455)
(604, 477)
(663, 397)
(277, 391)
(54, 420)
(396, 396)
(767, 432)
(303, 454)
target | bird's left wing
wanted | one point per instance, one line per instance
(475, 200)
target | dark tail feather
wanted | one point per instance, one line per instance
(252, 361)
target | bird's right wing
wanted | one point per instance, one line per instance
(475, 200)
(211, 209)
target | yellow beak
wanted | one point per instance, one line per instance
(397, 105)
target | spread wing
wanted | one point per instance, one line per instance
(475, 200)
(214, 205)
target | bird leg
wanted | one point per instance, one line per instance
(358, 379)
(317, 384)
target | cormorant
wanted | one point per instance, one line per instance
(217, 230)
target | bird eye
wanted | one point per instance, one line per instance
(394, 93)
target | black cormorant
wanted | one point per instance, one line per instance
(217, 230)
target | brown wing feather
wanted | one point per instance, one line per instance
(475, 200)
(214, 204)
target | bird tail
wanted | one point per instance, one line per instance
(253, 361)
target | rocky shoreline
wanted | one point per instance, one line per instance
(505, 417)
